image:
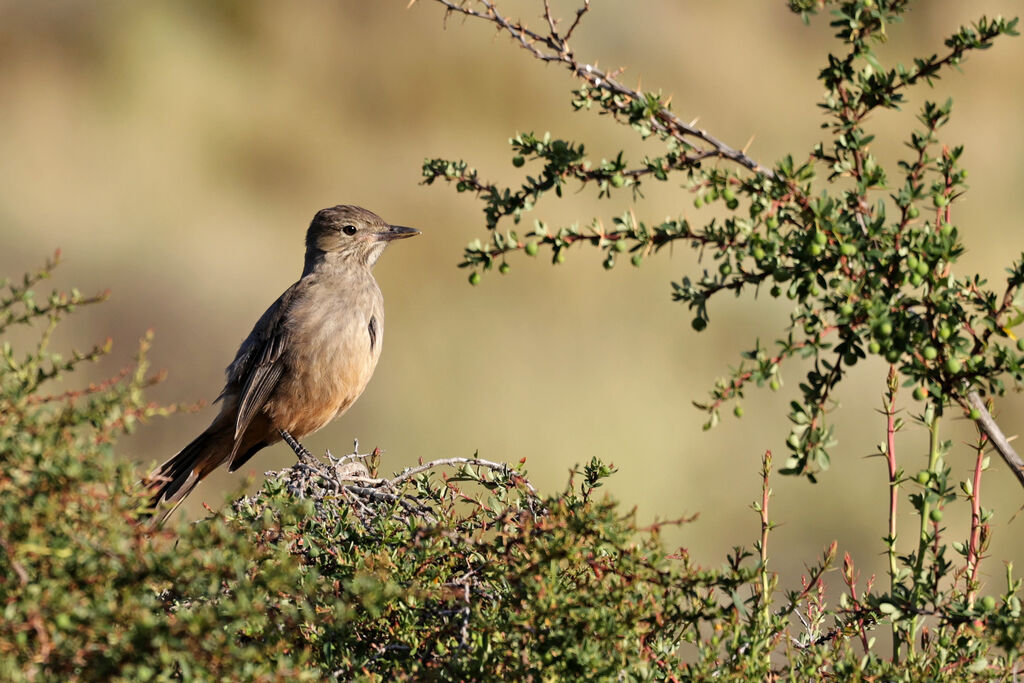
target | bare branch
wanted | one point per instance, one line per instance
(475, 462)
(368, 495)
(555, 47)
(988, 425)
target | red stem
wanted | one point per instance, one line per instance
(974, 549)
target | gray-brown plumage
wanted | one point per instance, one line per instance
(307, 359)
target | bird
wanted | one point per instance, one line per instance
(305, 362)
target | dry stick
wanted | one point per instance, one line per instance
(372, 493)
(413, 471)
(380, 496)
(999, 440)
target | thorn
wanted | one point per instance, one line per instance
(749, 142)
(694, 122)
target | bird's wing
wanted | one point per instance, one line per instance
(256, 368)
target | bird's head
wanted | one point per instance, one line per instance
(349, 235)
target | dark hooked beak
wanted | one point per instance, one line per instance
(397, 232)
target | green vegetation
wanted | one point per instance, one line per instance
(459, 569)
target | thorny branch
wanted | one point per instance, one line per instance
(553, 46)
(549, 43)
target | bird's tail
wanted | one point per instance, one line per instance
(174, 480)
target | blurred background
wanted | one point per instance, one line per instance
(176, 151)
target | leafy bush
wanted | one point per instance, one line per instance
(317, 574)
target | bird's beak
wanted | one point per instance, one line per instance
(396, 232)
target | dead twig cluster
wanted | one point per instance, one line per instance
(353, 478)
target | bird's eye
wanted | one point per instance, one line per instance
(349, 230)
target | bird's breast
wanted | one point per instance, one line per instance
(334, 343)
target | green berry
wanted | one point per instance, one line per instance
(953, 366)
(945, 332)
(988, 603)
(698, 202)
(725, 269)
(815, 249)
(771, 222)
(504, 268)
(620, 245)
(531, 248)
(892, 355)
(884, 329)
(913, 212)
(738, 411)
(618, 180)
(774, 384)
(935, 515)
(820, 238)
(699, 324)
(916, 280)
(975, 414)
(930, 352)
(758, 253)
(846, 309)
(560, 256)
(728, 194)
(609, 262)
(1020, 344)
(848, 249)
(923, 477)
(637, 258)
(732, 204)
(874, 347)
(920, 393)
(474, 278)
(518, 161)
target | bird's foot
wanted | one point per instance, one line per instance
(304, 454)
